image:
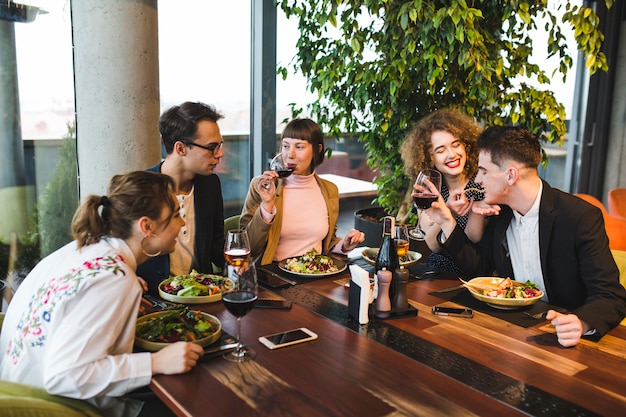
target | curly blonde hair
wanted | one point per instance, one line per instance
(417, 146)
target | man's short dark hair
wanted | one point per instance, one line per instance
(180, 123)
(510, 143)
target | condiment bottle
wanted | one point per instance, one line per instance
(401, 279)
(382, 305)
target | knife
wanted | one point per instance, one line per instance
(223, 348)
(456, 287)
(275, 275)
(163, 305)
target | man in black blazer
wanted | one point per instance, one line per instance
(539, 233)
(193, 145)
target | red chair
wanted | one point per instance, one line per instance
(615, 226)
(617, 202)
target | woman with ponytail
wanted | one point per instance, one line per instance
(70, 327)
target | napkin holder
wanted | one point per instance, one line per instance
(360, 295)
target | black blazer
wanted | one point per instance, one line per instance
(209, 233)
(579, 271)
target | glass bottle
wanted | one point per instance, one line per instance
(387, 256)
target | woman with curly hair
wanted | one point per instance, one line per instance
(446, 140)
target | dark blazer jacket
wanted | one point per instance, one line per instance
(209, 233)
(579, 271)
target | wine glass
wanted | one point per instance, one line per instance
(423, 196)
(239, 301)
(282, 168)
(401, 238)
(237, 248)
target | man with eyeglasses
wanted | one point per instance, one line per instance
(193, 145)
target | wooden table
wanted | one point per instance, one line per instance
(425, 365)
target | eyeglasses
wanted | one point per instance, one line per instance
(211, 148)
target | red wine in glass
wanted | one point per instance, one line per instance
(239, 303)
(423, 201)
(284, 173)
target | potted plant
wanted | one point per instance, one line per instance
(380, 66)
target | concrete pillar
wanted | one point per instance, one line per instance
(14, 194)
(116, 65)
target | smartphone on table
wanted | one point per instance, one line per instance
(288, 338)
(453, 311)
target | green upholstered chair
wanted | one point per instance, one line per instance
(20, 400)
(231, 223)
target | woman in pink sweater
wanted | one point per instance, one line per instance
(297, 213)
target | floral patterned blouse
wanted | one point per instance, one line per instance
(70, 326)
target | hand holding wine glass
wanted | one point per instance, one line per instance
(239, 301)
(427, 188)
(282, 168)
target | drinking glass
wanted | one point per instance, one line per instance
(401, 238)
(282, 168)
(423, 197)
(237, 248)
(239, 301)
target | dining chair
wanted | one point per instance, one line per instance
(617, 202)
(231, 223)
(615, 227)
(21, 400)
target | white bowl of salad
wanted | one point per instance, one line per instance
(504, 293)
(195, 288)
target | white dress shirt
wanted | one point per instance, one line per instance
(522, 238)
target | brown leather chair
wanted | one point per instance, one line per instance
(617, 202)
(615, 226)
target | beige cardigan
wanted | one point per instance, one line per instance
(264, 236)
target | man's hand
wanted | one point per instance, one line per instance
(569, 328)
(484, 209)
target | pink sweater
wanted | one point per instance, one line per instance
(305, 217)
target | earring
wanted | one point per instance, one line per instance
(151, 254)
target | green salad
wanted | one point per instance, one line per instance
(176, 325)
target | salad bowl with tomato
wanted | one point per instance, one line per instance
(504, 293)
(195, 288)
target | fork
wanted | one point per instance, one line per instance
(537, 316)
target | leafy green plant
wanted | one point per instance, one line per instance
(58, 202)
(378, 66)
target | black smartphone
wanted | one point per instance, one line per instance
(273, 280)
(453, 311)
(259, 303)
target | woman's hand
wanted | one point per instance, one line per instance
(267, 189)
(458, 202)
(176, 358)
(352, 239)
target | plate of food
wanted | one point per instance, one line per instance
(504, 293)
(194, 288)
(312, 264)
(156, 330)
(411, 258)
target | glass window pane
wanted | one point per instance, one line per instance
(38, 181)
(204, 55)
